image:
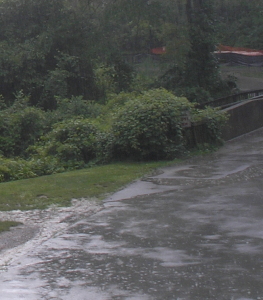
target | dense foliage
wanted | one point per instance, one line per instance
(149, 126)
(82, 48)
(79, 86)
(240, 23)
(135, 126)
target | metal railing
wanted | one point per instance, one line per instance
(232, 99)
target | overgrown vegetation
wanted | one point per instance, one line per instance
(149, 127)
(133, 126)
(80, 88)
(240, 23)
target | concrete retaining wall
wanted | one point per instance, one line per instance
(243, 118)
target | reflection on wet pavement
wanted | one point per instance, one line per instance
(191, 232)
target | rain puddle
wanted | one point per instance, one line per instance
(38, 226)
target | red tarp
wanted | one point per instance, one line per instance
(241, 56)
(160, 50)
(239, 50)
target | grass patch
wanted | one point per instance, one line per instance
(59, 189)
(248, 71)
(6, 225)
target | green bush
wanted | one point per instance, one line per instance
(194, 94)
(74, 143)
(77, 106)
(13, 169)
(19, 129)
(104, 147)
(30, 124)
(18, 168)
(72, 140)
(115, 101)
(214, 120)
(149, 127)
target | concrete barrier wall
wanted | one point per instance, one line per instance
(243, 118)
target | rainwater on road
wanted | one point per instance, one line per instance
(193, 231)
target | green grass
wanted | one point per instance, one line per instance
(59, 189)
(255, 72)
(6, 225)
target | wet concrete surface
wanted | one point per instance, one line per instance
(193, 231)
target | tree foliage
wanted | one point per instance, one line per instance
(46, 48)
(53, 48)
(69, 95)
(240, 23)
(201, 66)
(20, 127)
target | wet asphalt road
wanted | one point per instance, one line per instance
(191, 232)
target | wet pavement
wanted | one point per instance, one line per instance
(193, 231)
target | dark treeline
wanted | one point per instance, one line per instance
(240, 23)
(54, 47)
(61, 48)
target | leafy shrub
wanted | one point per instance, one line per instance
(77, 106)
(194, 94)
(20, 129)
(214, 120)
(116, 101)
(17, 168)
(173, 78)
(4, 173)
(149, 127)
(73, 142)
(114, 77)
(104, 147)
(104, 80)
(13, 169)
(30, 125)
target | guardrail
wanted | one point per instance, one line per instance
(232, 99)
